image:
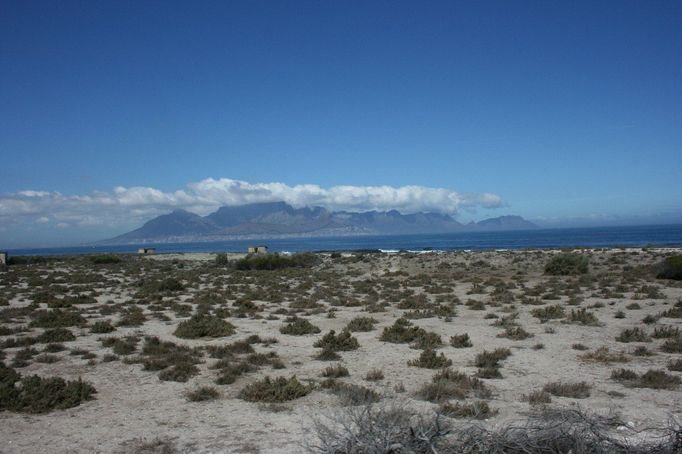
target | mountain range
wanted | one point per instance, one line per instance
(279, 219)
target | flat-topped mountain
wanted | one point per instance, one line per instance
(282, 219)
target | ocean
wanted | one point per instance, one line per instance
(597, 237)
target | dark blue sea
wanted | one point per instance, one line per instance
(650, 235)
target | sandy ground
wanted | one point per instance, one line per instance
(134, 407)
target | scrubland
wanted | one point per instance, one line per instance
(504, 351)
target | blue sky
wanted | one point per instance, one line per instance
(568, 113)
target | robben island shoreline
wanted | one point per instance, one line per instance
(202, 352)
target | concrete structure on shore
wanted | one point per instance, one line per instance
(4, 258)
(258, 249)
(146, 251)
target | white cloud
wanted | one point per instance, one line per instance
(133, 205)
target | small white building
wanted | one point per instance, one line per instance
(3, 258)
(146, 251)
(258, 249)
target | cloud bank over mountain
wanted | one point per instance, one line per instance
(130, 205)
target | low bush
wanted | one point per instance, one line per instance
(515, 333)
(539, 397)
(633, 335)
(56, 318)
(104, 259)
(491, 358)
(672, 345)
(460, 341)
(337, 371)
(605, 356)
(430, 360)
(102, 327)
(276, 261)
(579, 390)
(653, 378)
(361, 324)
(299, 327)
(279, 389)
(401, 332)
(203, 394)
(477, 410)
(41, 395)
(204, 325)
(582, 317)
(566, 264)
(56, 335)
(548, 313)
(338, 343)
(671, 268)
(374, 375)
(450, 384)
(350, 394)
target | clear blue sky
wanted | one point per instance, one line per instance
(562, 109)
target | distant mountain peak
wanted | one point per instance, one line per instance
(280, 218)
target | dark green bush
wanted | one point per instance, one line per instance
(361, 324)
(56, 318)
(41, 395)
(338, 343)
(430, 360)
(299, 327)
(476, 410)
(580, 390)
(204, 325)
(279, 389)
(401, 332)
(105, 259)
(56, 335)
(102, 327)
(275, 261)
(671, 268)
(566, 264)
(460, 341)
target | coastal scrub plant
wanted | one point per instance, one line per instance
(567, 264)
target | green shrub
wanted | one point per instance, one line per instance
(672, 345)
(204, 325)
(56, 335)
(361, 324)
(221, 259)
(102, 327)
(125, 346)
(653, 379)
(299, 327)
(566, 264)
(180, 372)
(401, 332)
(582, 317)
(633, 335)
(539, 397)
(515, 333)
(132, 316)
(460, 341)
(491, 358)
(675, 365)
(430, 360)
(671, 268)
(338, 343)
(276, 261)
(327, 355)
(56, 318)
(279, 389)
(41, 395)
(665, 332)
(450, 384)
(105, 259)
(427, 340)
(549, 312)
